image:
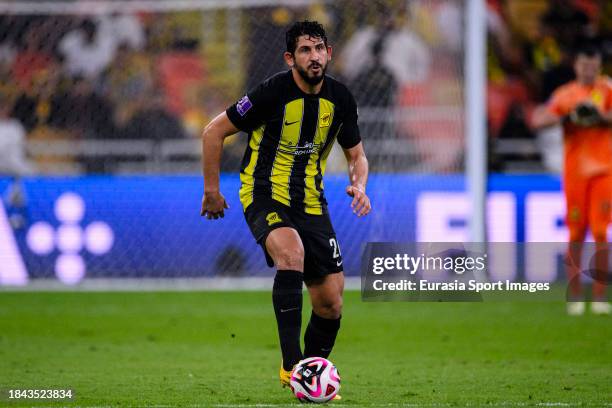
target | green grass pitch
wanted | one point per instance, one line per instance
(199, 349)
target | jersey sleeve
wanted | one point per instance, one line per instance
(252, 109)
(349, 133)
(608, 100)
(555, 103)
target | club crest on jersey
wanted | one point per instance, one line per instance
(273, 218)
(597, 98)
(244, 105)
(325, 120)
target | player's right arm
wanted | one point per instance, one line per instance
(606, 115)
(550, 114)
(246, 114)
(213, 202)
(543, 117)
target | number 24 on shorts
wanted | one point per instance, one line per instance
(334, 244)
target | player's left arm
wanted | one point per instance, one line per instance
(358, 175)
(606, 112)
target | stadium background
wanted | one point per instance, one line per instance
(101, 107)
(107, 101)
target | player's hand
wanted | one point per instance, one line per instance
(213, 205)
(361, 202)
(585, 114)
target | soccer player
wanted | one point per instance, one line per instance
(584, 108)
(293, 119)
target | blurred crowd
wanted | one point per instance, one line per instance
(114, 76)
(162, 75)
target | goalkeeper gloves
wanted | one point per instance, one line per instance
(585, 114)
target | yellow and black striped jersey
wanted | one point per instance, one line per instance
(290, 136)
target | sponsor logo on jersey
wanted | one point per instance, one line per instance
(244, 105)
(306, 148)
(273, 218)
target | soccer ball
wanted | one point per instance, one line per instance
(315, 379)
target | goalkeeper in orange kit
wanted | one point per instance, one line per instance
(584, 108)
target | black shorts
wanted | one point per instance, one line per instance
(321, 250)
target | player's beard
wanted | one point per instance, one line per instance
(311, 80)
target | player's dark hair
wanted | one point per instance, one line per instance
(299, 28)
(588, 50)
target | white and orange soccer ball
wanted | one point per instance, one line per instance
(315, 379)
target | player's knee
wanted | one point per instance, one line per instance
(290, 258)
(577, 234)
(331, 309)
(599, 234)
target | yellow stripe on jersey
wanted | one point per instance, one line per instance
(311, 194)
(289, 140)
(246, 177)
(325, 155)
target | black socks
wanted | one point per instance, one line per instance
(287, 301)
(320, 336)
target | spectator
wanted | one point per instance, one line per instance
(87, 50)
(81, 110)
(375, 85)
(12, 142)
(375, 90)
(33, 58)
(125, 29)
(449, 20)
(405, 55)
(129, 81)
(267, 43)
(13, 163)
(549, 60)
(568, 23)
(34, 104)
(154, 122)
(86, 115)
(8, 49)
(604, 36)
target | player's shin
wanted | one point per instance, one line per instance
(287, 300)
(320, 336)
(573, 261)
(600, 278)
